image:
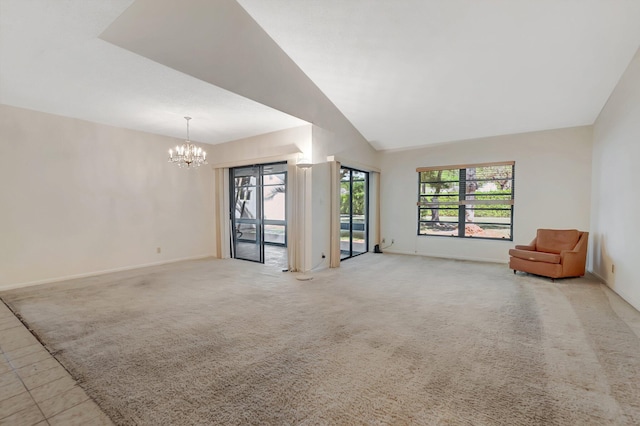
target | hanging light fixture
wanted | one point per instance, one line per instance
(188, 154)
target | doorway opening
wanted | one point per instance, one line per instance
(354, 216)
(259, 213)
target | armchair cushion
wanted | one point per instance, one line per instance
(556, 240)
(535, 256)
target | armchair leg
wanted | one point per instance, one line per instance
(514, 272)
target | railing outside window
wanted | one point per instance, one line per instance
(472, 200)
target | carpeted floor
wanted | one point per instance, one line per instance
(386, 339)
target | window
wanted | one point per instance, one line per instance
(479, 196)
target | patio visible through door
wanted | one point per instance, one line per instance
(354, 222)
(258, 213)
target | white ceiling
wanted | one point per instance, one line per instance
(404, 72)
(414, 72)
(52, 60)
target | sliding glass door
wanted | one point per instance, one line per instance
(246, 214)
(274, 208)
(258, 213)
(354, 221)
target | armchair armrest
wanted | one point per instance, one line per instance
(574, 261)
(569, 255)
(530, 247)
(580, 248)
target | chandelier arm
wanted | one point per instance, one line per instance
(188, 153)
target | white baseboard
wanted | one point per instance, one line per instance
(473, 259)
(626, 297)
(598, 276)
(102, 272)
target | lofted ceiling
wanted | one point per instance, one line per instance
(404, 72)
(52, 60)
(415, 72)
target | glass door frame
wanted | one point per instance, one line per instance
(258, 173)
(236, 234)
(350, 226)
(276, 222)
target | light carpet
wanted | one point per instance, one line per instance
(386, 339)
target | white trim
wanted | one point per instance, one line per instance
(324, 265)
(223, 216)
(353, 164)
(626, 297)
(617, 291)
(258, 160)
(598, 276)
(464, 166)
(473, 259)
(106, 271)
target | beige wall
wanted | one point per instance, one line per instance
(80, 198)
(270, 147)
(346, 147)
(616, 201)
(319, 224)
(349, 149)
(552, 189)
(96, 198)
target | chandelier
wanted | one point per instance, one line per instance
(188, 154)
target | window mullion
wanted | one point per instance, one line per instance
(462, 185)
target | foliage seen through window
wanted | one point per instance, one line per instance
(472, 201)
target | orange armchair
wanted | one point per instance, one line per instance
(554, 253)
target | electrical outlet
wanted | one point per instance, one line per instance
(158, 250)
(613, 268)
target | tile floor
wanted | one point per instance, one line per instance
(34, 388)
